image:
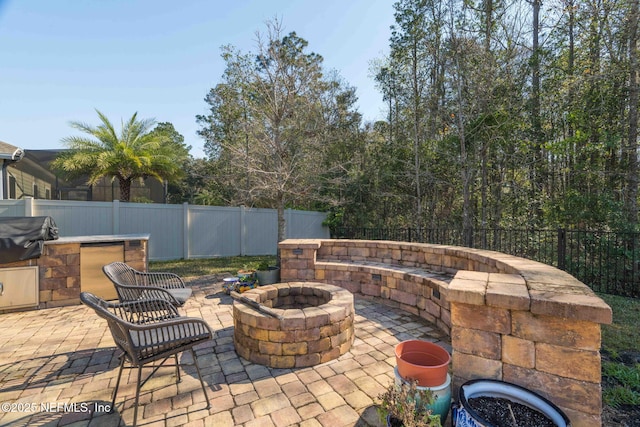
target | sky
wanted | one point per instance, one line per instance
(60, 60)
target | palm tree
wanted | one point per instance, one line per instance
(135, 153)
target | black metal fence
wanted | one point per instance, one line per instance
(606, 261)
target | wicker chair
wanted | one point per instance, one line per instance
(133, 285)
(148, 331)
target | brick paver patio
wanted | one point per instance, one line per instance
(58, 367)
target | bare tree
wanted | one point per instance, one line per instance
(267, 119)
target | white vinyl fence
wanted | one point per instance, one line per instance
(176, 231)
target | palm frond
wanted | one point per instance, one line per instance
(107, 126)
(136, 152)
(81, 143)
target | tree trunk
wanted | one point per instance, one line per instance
(631, 195)
(466, 169)
(416, 135)
(281, 224)
(570, 162)
(125, 189)
(537, 179)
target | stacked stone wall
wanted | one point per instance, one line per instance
(299, 337)
(509, 318)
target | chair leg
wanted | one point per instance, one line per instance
(195, 361)
(177, 368)
(135, 405)
(115, 391)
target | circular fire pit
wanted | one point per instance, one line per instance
(314, 324)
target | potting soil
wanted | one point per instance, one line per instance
(502, 412)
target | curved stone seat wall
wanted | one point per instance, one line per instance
(509, 318)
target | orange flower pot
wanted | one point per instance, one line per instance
(424, 361)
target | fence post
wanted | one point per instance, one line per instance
(562, 248)
(185, 230)
(287, 223)
(243, 230)
(115, 214)
(28, 206)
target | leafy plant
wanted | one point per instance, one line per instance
(626, 388)
(262, 266)
(627, 375)
(407, 406)
(618, 396)
(624, 333)
(248, 268)
(135, 152)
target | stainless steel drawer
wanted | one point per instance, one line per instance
(92, 258)
(19, 287)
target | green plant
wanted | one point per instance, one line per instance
(623, 334)
(407, 406)
(262, 266)
(621, 383)
(627, 375)
(618, 396)
(625, 381)
(248, 268)
(135, 152)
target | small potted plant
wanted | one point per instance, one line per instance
(246, 279)
(247, 273)
(405, 405)
(267, 274)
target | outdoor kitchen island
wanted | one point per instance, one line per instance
(68, 266)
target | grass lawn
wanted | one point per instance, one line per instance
(206, 266)
(621, 382)
(624, 333)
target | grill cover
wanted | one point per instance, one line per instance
(23, 237)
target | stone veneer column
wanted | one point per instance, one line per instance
(59, 268)
(496, 334)
(135, 254)
(298, 259)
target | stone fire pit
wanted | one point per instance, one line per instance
(315, 324)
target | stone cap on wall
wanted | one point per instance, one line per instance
(496, 279)
(560, 298)
(98, 238)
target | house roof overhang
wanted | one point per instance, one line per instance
(10, 152)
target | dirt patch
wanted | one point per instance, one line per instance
(206, 281)
(624, 416)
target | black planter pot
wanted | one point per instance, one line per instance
(463, 414)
